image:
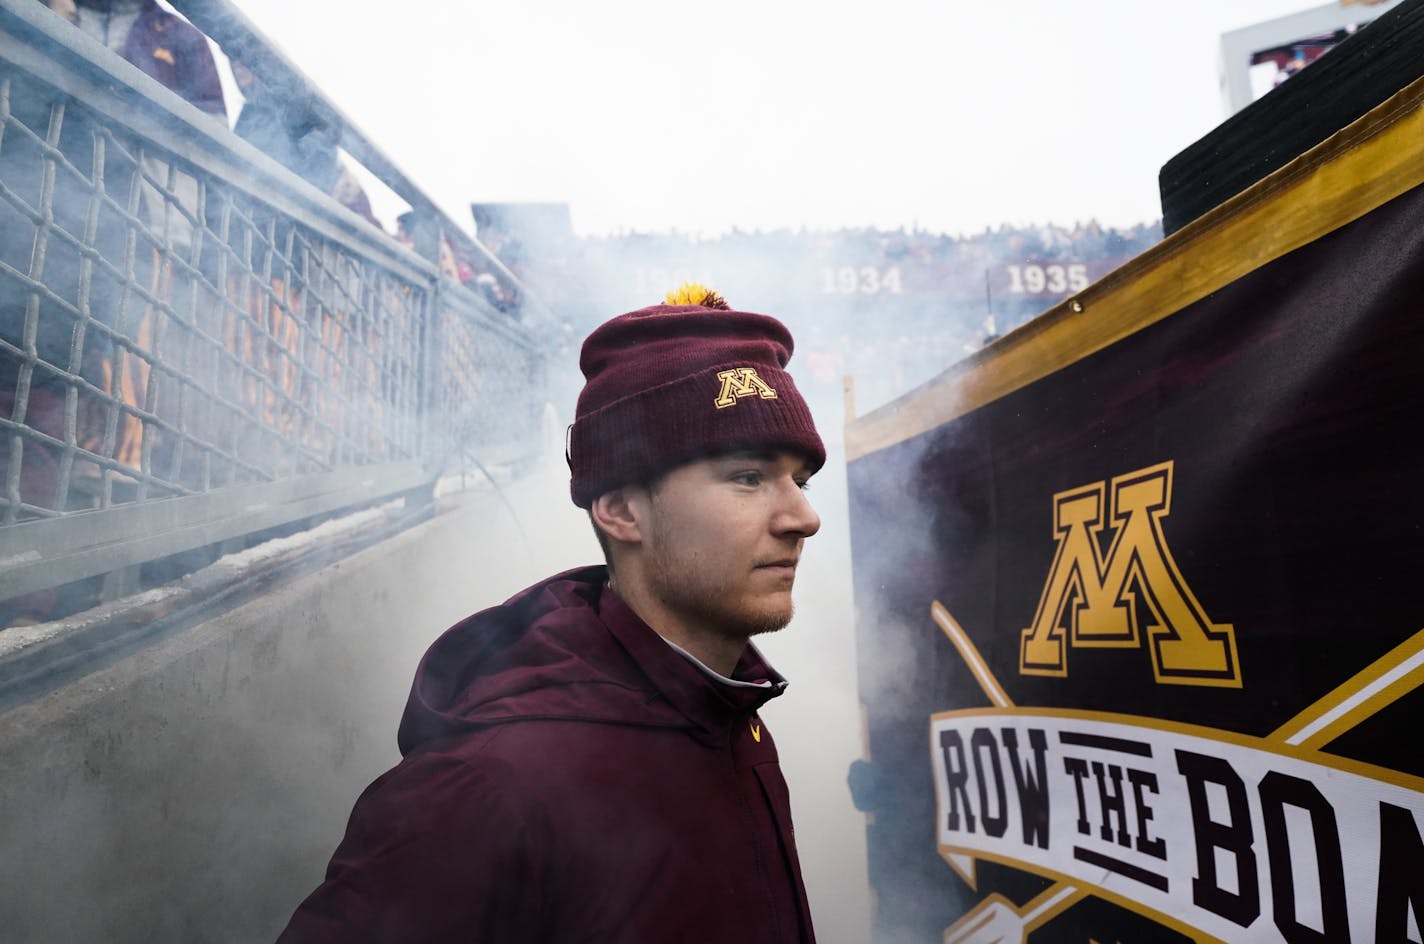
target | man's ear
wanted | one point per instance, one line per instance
(620, 514)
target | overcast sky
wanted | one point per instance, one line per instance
(657, 115)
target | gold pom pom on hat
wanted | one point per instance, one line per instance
(695, 293)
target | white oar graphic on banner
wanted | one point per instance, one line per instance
(996, 920)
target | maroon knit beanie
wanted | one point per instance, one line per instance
(672, 383)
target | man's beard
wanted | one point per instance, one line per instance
(672, 579)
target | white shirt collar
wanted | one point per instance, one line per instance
(714, 675)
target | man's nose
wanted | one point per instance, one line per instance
(796, 516)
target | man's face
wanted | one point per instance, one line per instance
(724, 539)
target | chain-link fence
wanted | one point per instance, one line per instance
(195, 344)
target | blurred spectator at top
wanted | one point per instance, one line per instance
(301, 132)
(404, 224)
(450, 264)
(1297, 62)
(295, 128)
(162, 45)
(456, 262)
(349, 193)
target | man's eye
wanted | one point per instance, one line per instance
(747, 478)
(804, 485)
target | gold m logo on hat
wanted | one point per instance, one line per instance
(741, 382)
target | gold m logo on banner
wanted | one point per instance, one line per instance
(1097, 589)
(741, 382)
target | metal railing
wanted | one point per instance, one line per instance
(195, 343)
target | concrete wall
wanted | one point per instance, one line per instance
(194, 792)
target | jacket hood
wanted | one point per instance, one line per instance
(568, 648)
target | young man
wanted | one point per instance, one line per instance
(585, 762)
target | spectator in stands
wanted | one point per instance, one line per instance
(301, 132)
(177, 55)
(295, 128)
(162, 45)
(452, 262)
(349, 193)
(405, 224)
(170, 50)
(1294, 66)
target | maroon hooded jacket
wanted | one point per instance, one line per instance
(569, 776)
(177, 55)
(165, 47)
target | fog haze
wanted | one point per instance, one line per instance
(788, 115)
(653, 116)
